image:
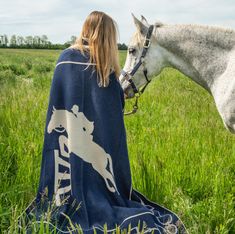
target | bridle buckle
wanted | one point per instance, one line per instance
(126, 75)
(147, 43)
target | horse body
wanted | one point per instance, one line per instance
(204, 54)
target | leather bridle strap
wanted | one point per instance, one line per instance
(135, 69)
(140, 62)
(148, 81)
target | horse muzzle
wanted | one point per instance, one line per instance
(128, 92)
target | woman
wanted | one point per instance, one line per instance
(85, 173)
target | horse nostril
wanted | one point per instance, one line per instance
(84, 129)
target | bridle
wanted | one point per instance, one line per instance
(129, 75)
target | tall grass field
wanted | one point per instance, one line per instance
(181, 155)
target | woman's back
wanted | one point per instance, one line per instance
(85, 169)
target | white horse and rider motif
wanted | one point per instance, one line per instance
(79, 141)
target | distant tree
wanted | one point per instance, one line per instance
(6, 40)
(44, 39)
(1, 40)
(29, 41)
(36, 41)
(73, 39)
(70, 42)
(13, 41)
(122, 46)
(20, 41)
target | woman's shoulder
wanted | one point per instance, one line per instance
(74, 55)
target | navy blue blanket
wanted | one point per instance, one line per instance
(85, 172)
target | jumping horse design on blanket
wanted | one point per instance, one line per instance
(80, 142)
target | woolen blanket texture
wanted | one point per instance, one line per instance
(85, 176)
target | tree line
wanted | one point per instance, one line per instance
(38, 42)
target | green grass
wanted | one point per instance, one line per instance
(180, 153)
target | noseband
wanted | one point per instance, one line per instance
(129, 75)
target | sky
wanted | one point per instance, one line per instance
(60, 19)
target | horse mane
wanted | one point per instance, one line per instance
(216, 34)
(207, 28)
(158, 24)
(138, 37)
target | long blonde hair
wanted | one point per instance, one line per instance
(100, 32)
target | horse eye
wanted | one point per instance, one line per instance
(131, 50)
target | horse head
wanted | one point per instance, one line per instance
(58, 121)
(72, 122)
(135, 54)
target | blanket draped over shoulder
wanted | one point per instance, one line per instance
(85, 171)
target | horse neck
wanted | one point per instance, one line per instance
(200, 52)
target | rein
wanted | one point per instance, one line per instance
(129, 75)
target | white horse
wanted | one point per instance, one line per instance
(80, 141)
(205, 54)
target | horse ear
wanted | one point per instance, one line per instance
(144, 21)
(140, 26)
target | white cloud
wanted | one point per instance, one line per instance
(59, 19)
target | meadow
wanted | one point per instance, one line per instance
(181, 155)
